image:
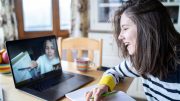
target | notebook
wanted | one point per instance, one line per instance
(79, 95)
(1, 94)
(36, 68)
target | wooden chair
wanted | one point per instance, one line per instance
(80, 44)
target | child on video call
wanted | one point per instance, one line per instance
(150, 46)
(45, 62)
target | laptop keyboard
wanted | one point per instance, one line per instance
(45, 84)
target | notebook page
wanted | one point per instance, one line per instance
(1, 94)
(79, 95)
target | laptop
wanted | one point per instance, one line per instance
(36, 68)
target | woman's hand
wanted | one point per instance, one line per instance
(33, 64)
(96, 93)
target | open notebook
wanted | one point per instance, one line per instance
(79, 95)
(1, 94)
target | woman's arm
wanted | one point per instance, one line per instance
(112, 76)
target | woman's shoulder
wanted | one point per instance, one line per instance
(172, 77)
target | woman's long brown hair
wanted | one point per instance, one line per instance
(156, 37)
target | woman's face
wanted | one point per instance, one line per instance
(49, 50)
(128, 33)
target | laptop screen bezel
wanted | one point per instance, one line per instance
(46, 75)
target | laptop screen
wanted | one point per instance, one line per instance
(33, 58)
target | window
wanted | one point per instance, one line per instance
(43, 17)
(35, 17)
(101, 12)
(65, 14)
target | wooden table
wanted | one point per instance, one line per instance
(12, 94)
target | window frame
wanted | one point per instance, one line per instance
(31, 34)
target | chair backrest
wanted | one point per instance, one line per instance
(80, 44)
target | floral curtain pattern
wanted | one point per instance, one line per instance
(8, 24)
(80, 18)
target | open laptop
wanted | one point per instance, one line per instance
(36, 68)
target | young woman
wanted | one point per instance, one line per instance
(150, 45)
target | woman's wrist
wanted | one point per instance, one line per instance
(105, 87)
(108, 81)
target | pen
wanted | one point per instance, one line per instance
(106, 94)
(24, 68)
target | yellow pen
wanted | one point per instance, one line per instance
(106, 94)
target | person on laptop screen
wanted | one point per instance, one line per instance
(40, 56)
(48, 61)
(33, 62)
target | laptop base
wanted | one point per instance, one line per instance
(58, 91)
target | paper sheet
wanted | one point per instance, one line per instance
(1, 94)
(79, 95)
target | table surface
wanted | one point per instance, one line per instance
(12, 94)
